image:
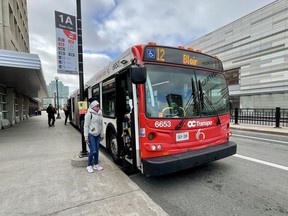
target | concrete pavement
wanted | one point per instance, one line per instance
(37, 178)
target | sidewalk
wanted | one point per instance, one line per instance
(37, 178)
(260, 128)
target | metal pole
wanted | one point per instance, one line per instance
(236, 115)
(84, 152)
(58, 115)
(55, 99)
(277, 117)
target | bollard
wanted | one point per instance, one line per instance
(236, 116)
(277, 117)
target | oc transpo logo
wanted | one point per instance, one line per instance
(194, 123)
(200, 135)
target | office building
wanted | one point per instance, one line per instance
(52, 95)
(14, 25)
(254, 52)
(63, 90)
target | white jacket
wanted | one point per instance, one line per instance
(93, 123)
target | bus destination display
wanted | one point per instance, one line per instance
(184, 57)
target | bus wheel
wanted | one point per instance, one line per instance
(113, 146)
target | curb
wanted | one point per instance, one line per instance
(261, 131)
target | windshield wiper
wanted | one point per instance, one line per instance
(204, 96)
(193, 99)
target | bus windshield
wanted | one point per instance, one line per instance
(174, 92)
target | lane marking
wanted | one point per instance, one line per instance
(257, 138)
(262, 162)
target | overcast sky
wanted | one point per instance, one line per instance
(109, 27)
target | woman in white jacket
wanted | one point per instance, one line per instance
(92, 132)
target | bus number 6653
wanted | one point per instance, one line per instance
(162, 124)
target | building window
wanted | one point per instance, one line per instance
(16, 106)
(3, 107)
(11, 19)
(232, 76)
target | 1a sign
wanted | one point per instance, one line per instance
(66, 43)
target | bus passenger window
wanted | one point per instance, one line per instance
(108, 107)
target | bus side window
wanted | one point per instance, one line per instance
(109, 104)
(128, 107)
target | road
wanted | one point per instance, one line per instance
(253, 182)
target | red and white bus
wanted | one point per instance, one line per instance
(165, 109)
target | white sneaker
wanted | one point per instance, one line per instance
(97, 167)
(90, 169)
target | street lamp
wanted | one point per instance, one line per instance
(58, 115)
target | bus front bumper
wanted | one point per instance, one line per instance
(172, 163)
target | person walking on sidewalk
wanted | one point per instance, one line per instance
(92, 133)
(51, 115)
(67, 110)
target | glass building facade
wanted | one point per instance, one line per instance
(63, 92)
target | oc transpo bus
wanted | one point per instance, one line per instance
(165, 109)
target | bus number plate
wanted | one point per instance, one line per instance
(182, 136)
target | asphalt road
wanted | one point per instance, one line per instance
(253, 182)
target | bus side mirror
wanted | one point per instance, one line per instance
(138, 74)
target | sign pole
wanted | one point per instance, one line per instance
(84, 152)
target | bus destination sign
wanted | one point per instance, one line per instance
(183, 57)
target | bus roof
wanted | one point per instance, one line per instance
(156, 53)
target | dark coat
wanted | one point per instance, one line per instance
(51, 110)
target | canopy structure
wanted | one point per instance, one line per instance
(23, 72)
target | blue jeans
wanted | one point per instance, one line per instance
(94, 149)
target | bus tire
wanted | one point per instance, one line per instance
(113, 147)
